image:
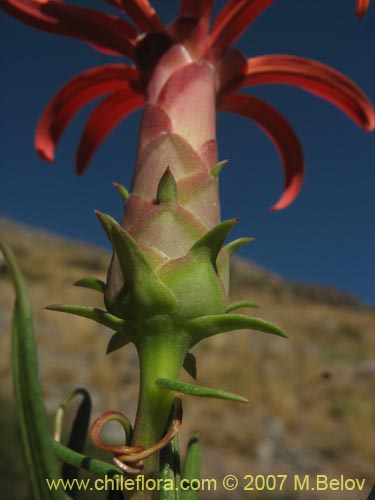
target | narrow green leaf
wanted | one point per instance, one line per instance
(93, 313)
(190, 365)
(96, 467)
(235, 245)
(92, 284)
(192, 467)
(78, 433)
(36, 438)
(206, 326)
(198, 390)
(170, 471)
(117, 341)
(240, 304)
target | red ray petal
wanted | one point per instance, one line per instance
(280, 133)
(72, 97)
(103, 120)
(198, 12)
(200, 9)
(142, 14)
(97, 28)
(361, 7)
(316, 78)
(233, 20)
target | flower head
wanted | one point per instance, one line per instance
(126, 88)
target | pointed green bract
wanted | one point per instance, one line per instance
(167, 188)
(107, 223)
(240, 304)
(218, 168)
(235, 245)
(32, 417)
(122, 191)
(211, 243)
(91, 283)
(198, 390)
(149, 295)
(93, 313)
(207, 326)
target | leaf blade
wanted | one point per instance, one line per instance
(32, 416)
(199, 390)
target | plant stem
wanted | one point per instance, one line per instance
(160, 356)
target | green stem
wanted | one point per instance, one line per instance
(160, 356)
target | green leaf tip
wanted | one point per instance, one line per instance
(207, 326)
(198, 390)
(107, 223)
(235, 245)
(167, 188)
(122, 191)
(240, 304)
(218, 168)
(78, 433)
(91, 284)
(212, 242)
(93, 313)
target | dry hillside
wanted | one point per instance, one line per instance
(311, 409)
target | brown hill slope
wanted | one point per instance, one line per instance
(310, 408)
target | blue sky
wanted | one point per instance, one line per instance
(325, 237)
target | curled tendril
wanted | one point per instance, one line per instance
(130, 458)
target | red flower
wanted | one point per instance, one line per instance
(361, 7)
(124, 88)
